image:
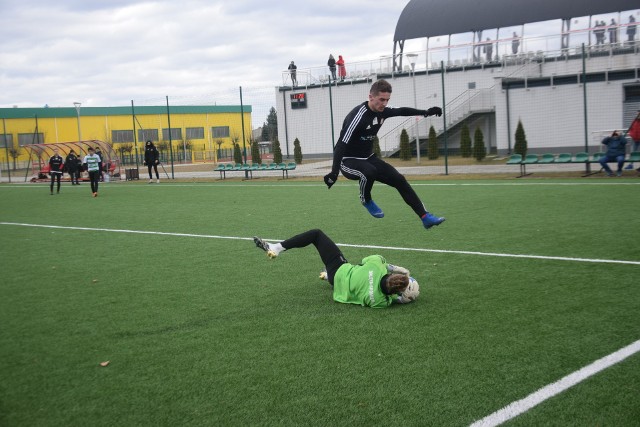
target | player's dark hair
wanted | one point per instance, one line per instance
(380, 86)
(394, 283)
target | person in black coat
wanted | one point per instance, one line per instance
(71, 166)
(151, 159)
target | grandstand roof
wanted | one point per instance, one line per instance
(430, 18)
(51, 112)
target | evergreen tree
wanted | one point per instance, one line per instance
(405, 148)
(255, 153)
(237, 154)
(432, 146)
(264, 136)
(465, 141)
(277, 152)
(521, 141)
(376, 147)
(297, 151)
(479, 150)
(272, 124)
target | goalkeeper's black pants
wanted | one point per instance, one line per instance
(329, 252)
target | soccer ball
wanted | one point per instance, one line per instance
(413, 290)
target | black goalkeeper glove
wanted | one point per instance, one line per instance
(330, 179)
(433, 111)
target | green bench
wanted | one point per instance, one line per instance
(249, 170)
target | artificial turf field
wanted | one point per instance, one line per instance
(527, 282)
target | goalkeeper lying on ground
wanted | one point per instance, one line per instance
(374, 283)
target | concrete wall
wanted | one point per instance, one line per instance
(553, 116)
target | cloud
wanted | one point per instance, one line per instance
(106, 53)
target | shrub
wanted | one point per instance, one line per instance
(432, 146)
(255, 153)
(521, 141)
(479, 150)
(297, 151)
(277, 152)
(405, 148)
(237, 154)
(376, 147)
(465, 141)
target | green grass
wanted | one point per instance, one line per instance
(203, 330)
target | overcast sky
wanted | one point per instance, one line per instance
(108, 52)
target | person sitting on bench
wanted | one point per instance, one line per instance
(615, 152)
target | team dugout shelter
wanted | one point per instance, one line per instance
(197, 132)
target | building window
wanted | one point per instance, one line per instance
(30, 138)
(121, 136)
(195, 133)
(176, 134)
(220, 131)
(6, 140)
(147, 134)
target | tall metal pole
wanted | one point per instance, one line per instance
(508, 121)
(444, 119)
(170, 144)
(6, 147)
(77, 105)
(584, 94)
(244, 139)
(135, 141)
(333, 136)
(412, 61)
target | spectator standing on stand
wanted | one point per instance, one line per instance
(631, 29)
(488, 49)
(515, 44)
(613, 32)
(332, 67)
(342, 70)
(293, 71)
(55, 169)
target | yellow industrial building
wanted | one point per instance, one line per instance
(205, 130)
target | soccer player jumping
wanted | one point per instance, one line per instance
(353, 154)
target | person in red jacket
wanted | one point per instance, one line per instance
(342, 71)
(634, 133)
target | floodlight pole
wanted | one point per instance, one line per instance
(412, 60)
(77, 105)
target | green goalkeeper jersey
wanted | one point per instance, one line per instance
(360, 284)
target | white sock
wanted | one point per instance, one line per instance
(276, 247)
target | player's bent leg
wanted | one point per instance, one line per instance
(363, 171)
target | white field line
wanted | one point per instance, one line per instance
(523, 405)
(391, 248)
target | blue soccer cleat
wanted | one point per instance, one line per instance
(429, 220)
(373, 209)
